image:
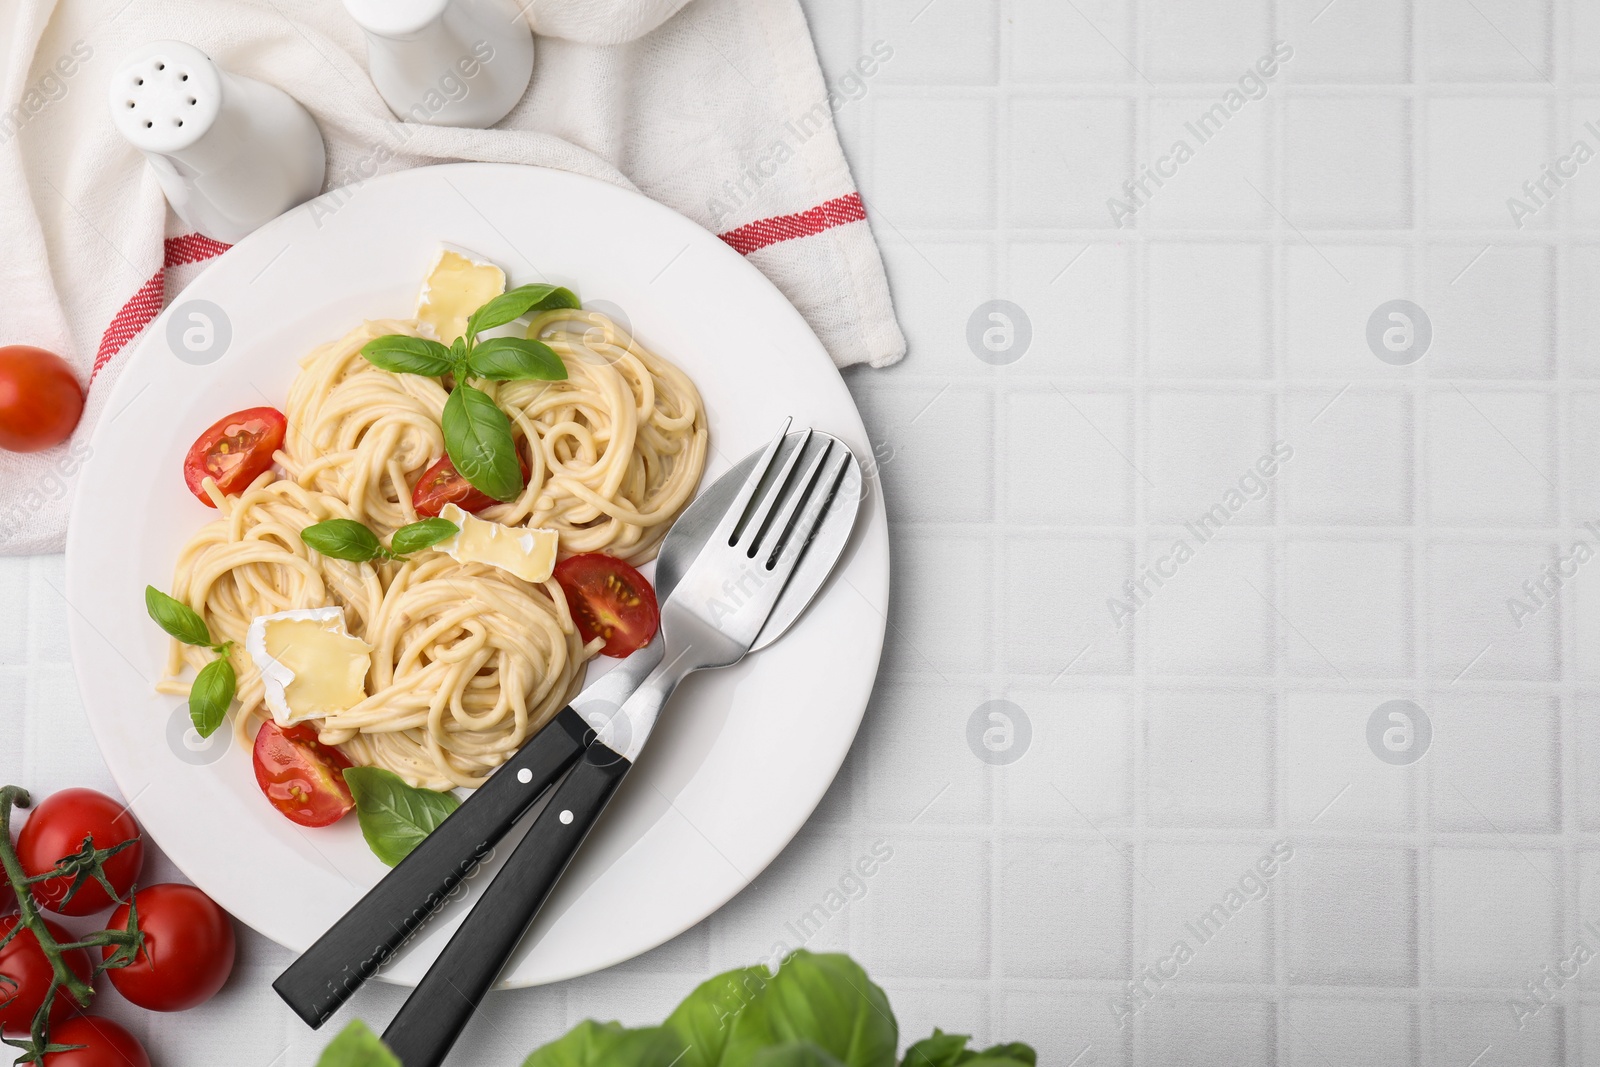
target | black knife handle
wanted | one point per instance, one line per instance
(361, 942)
(438, 1009)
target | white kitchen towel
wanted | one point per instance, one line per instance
(716, 108)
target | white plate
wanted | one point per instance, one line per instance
(741, 757)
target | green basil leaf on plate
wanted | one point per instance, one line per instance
(394, 816)
(357, 1046)
(512, 359)
(407, 355)
(177, 618)
(421, 535)
(523, 300)
(477, 436)
(211, 695)
(343, 539)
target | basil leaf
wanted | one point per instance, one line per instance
(1015, 1052)
(421, 535)
(511, 359)
(343, 539)
(394, 816)
(592, 1044)
(357, 1046)
(940, 1050)
(827, 998)
(176, 617)
(407, 355)
(795, 1054)
(522, 300)
(477, 436)
(211, 695)
(713, 1023)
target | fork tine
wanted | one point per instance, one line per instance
(779, 536)
(730, 519)
(755, 530)
(811, 520)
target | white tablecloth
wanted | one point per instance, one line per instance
(1427, 866)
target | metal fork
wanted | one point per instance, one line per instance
(710, 620)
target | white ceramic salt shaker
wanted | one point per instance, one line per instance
(230, 152)
(447, 62)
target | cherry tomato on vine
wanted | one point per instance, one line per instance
(441, 484)
(105, 1044)
(234, 451)
(188, 949)
(40, 399)
(302, 777)
(25, 976)
(609, 599)
(56, 829)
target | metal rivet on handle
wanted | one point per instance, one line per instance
(566, 818)
(524, 776)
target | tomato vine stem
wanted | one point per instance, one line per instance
(86, 863)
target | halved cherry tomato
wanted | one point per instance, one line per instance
(234, 451)
(25, 976)
(102, 1043)
(40, 399)
(609, 599)
(302, 777)
(56, 829)
(188, 949)
(442, 484)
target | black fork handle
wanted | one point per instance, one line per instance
(431, 1019)
(361, 942)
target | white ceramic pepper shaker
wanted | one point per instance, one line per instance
(230, 152)
(447, 62)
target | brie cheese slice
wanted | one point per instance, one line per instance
(528, 552)
(456, 286)
(311, 666)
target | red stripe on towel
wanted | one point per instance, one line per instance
(764, 232)
(145, 304)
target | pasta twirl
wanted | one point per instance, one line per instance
(469, 660)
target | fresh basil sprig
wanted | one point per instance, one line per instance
(394, 816)
(817, 1010)
(214, 687)
(348, 539)
(477, 434)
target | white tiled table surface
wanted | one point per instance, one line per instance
(1231, 711)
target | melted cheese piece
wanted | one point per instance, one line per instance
(455, 288)
(528, 552)
(310, 664)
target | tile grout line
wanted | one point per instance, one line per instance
(1570, 916)
(1000, 268)
(1138, 855)
(1278, 182)
(1422, 858)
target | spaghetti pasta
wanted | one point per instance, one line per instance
(468, 660)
